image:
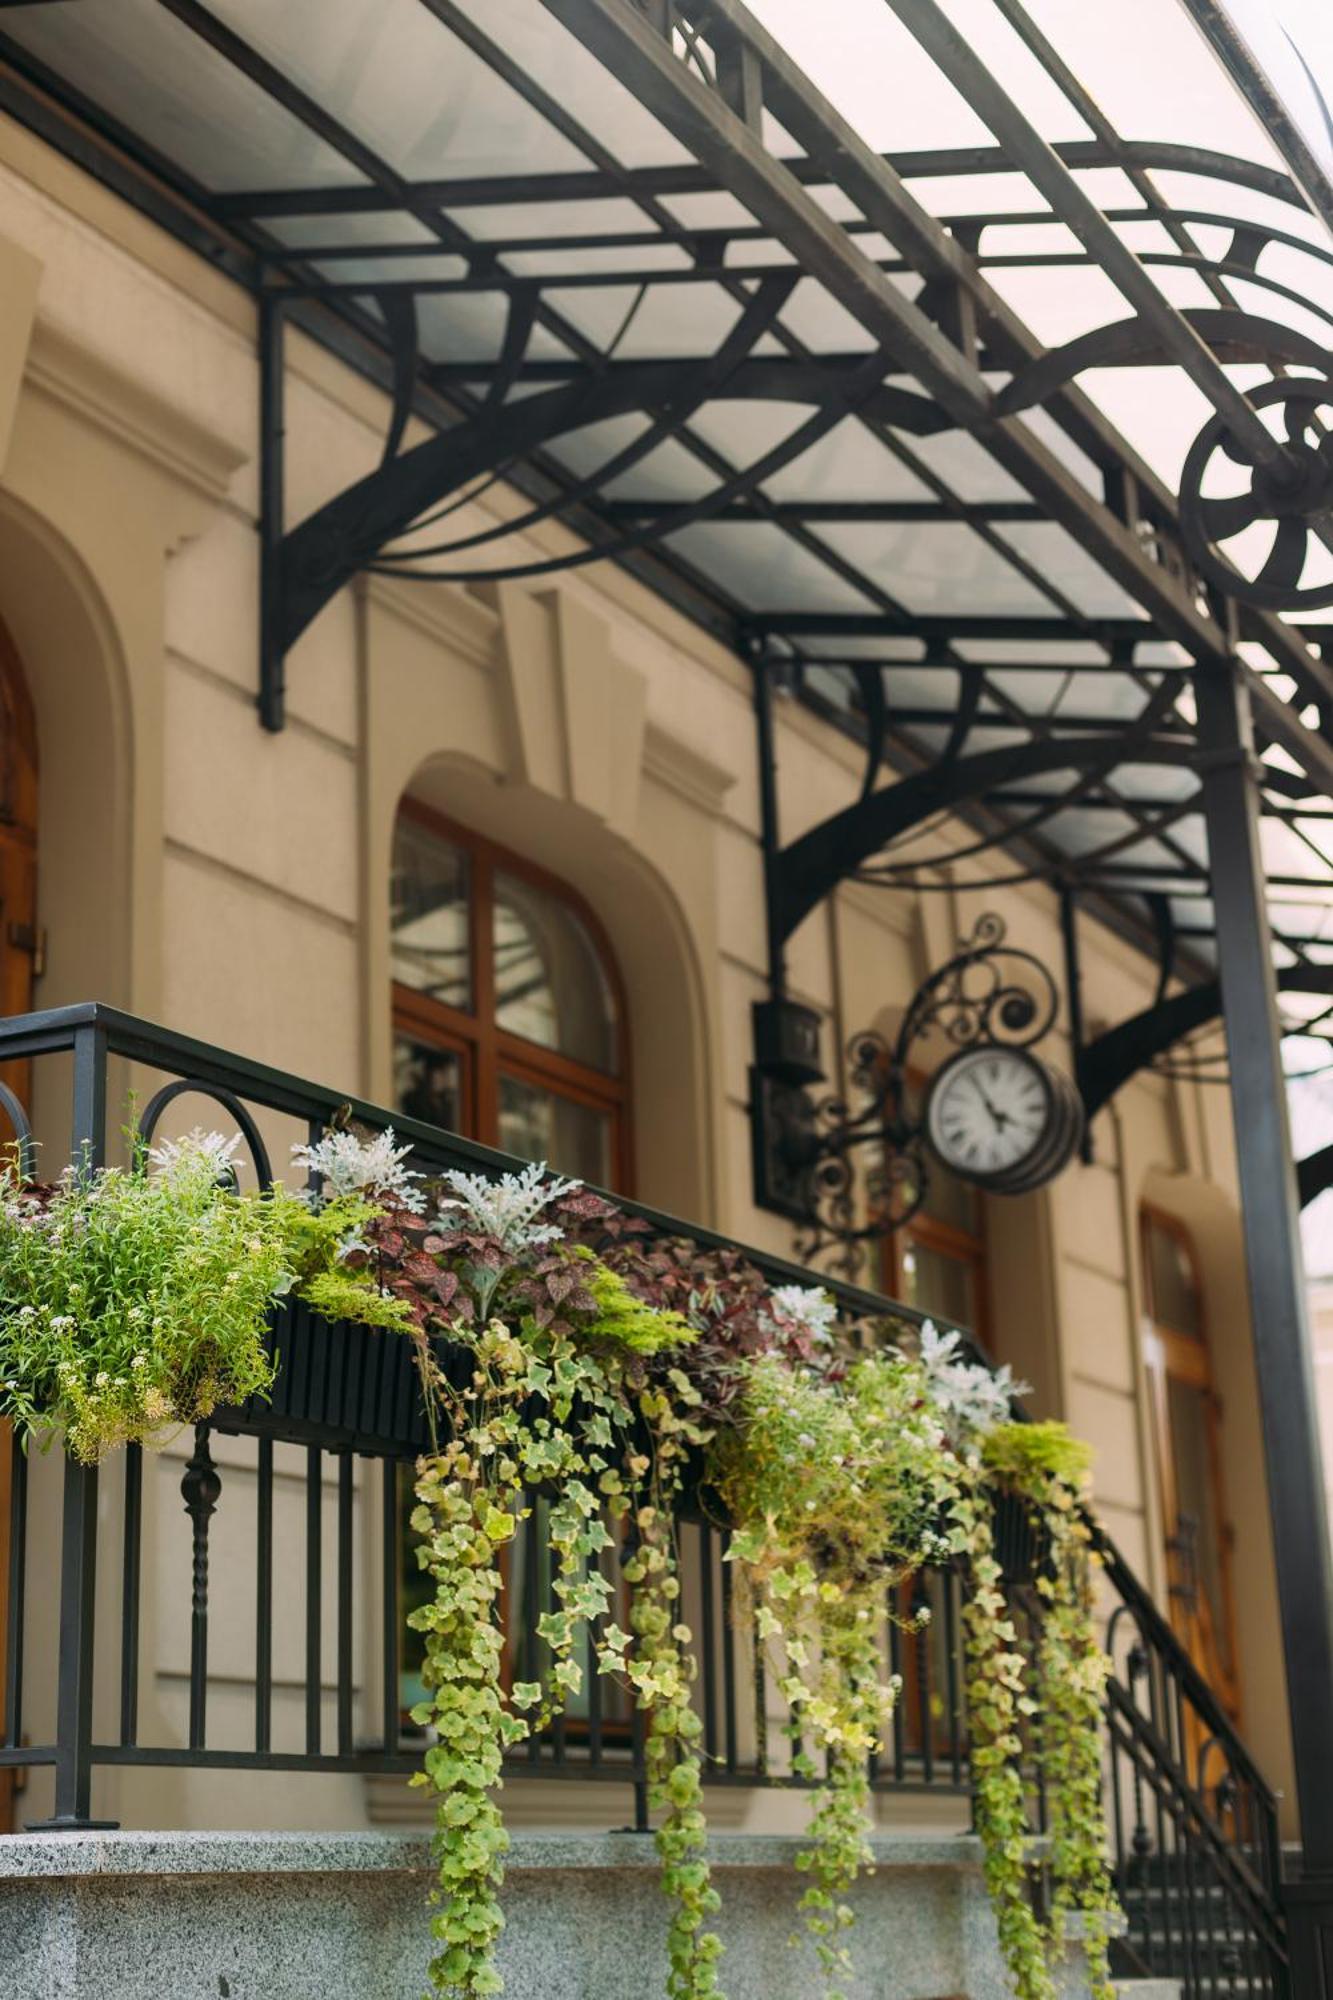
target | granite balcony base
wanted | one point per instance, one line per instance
(252, 1916)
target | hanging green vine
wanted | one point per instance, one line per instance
(837, 1482)
(661, 1672)
(570, 1364)
(1048, 1469)
(998, 1704)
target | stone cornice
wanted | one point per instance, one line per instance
(683, 769)
(126, 409)
(443, 612)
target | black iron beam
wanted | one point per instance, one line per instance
(1110, 1059)
(1284, 1373)
(732, 152)
(527, 189)
(808, 868)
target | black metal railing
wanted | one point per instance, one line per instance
(1196, 1840)
(316, 1675)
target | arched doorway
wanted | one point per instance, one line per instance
(19, 948)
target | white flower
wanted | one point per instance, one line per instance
(971, 1398)
(347, 1165)
(508, 1208)
(180, 1159)
(796, 1310)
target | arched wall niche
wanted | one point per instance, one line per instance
(75, 673)
(1209, 1215)
(649, 935)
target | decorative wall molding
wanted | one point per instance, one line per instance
(447, 614)
(686, 770)
(576, 713)
(20, 277)
(99, 393)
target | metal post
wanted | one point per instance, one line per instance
(78, 1532)
(768, 823)
(272, 438)
(1276, 1283)
(1074, 1000)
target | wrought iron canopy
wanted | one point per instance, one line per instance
(871, 335)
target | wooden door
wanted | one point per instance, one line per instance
(19, 944)
(1188, 1414)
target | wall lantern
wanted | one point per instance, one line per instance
(851, 1170)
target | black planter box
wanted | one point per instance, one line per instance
(348, 1387)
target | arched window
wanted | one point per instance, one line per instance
(509, 1023)
(1188, 1420)
(509, 1027)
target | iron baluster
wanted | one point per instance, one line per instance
(131, 1566)
(201, 1488)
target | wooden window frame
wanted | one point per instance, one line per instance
(486, 1051)
(962, 1245)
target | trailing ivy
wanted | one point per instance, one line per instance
(1047, 1470)
(572, 1363)
(839, 1483)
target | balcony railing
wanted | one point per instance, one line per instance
(1194, 1828)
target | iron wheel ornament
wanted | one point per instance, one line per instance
(1295, 497)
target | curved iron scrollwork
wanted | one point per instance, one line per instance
(851, 1170)
(1295, 496)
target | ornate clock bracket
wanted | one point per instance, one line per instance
(807, 1150)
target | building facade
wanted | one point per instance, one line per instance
(503, 868)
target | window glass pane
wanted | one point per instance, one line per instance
(429, 895)
(549, 983)
(428, 1083)
(1198, 1550)
(935, 1282)
(572, 1138)
(1173, 1294)
(951, 1200)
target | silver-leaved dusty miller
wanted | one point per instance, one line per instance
(970, 1398)
(180, 1159)
(347, 1165)
(506, 1209)
(803, 1310)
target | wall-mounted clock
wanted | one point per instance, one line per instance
(999, 1117)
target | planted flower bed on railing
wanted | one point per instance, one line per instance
(682, 1517)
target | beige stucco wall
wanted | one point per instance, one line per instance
(234, 884)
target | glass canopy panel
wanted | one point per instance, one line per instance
(500, 222)
(848, 464)
(1052, 551)
(661, 322)
(584, 88)
(396, 78)
(138, 63)
(1153, 75)
(935, 566)
(1102, 697)
(765, 568)
(850, 51)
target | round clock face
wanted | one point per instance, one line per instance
(989, 1110)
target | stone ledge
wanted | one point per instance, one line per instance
(56, 1856)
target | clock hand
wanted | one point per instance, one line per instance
(998, 1118)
